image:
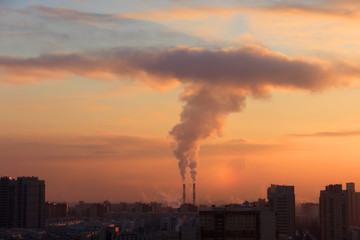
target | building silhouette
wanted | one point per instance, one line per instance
(56, 210)
(354, 204)
(282, 201)
(334, 213)
(237, 222)
(91, 210)
(22, 202)
(7, 202)
(350, 188)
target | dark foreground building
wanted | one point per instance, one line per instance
(282, 201)
(334, 213)
(248, 223)
(22, 202)
(7, 202)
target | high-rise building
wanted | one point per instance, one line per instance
(30, 202)
(334, 213)
(7, 202)
(350, 188)
(22, 202)
(354, 204)
(282, 201)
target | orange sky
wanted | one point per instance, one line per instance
(88, 97)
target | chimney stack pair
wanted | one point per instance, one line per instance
(184, 196)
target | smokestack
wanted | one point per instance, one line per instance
(194, 194)
(184, 199)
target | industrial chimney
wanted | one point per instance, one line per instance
(194, 194)
(184, 199)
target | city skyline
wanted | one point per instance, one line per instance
(91, 94)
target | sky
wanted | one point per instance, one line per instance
(125, 100)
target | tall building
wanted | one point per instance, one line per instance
(282, 201)
(354, 204)
(334, 213)
(22, 202)
(30, 202)
(350, 188)
(7, 202)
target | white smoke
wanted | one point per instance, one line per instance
(203, 115)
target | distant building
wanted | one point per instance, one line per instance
(157, 207)
(354, 204)
(309, 212)
(22, 202)
(334, 213)
(282, 200)
(350, 188)
(238, 223)
(91, 210)
(188, 207)
(56, 210)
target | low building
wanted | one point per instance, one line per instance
(238, 223)
(56, 210)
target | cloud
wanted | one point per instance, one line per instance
(108, 148)
(238, 147)
(59, 13)
(329, 134)
(250, 68)
(97, 148)
(331, 9)
(39, 29)
(313, 28)
(344, 9)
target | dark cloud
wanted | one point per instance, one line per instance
(246, 68)
(250, 68)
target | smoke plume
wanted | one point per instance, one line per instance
(203, 115)
(216, 81)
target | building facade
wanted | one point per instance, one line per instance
(243, 223)
(282, 201)
(56, 210)
(334, 213)
(22, 202)
(7, 202)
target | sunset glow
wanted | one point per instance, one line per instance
(122, 101)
